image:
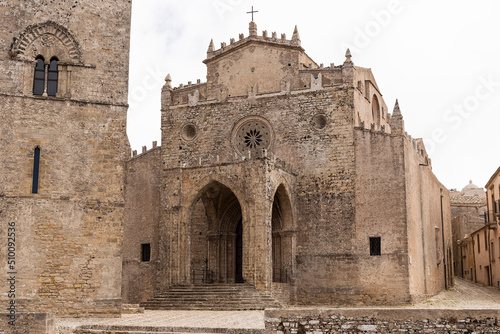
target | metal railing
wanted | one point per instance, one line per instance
(281, 275)
(202, 276)
(490, 218)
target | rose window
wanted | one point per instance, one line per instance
(254, 135)
(253, 138)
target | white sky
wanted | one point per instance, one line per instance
(441, 59)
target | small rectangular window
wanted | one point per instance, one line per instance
(478, 244)
(36, 170)
(146, 252)
(375, 248)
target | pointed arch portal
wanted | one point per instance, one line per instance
(282, 237)
(216, 236)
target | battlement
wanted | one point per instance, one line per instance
(145, 150)
(253, 36)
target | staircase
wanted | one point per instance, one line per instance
(216, 297)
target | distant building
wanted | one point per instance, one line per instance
(492, 220)
(484, 259)
(467, 211)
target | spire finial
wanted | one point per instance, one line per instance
(396, 121)
(211, 49)
(296, 36)
(348, 56)
(168, 81)
(396, 111)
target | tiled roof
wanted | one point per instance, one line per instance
(463, 199)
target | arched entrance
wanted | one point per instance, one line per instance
(282, 237)
(216, 236)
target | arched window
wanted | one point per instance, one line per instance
(39, 78)
(376, 111)
(36, 170)
(52, 77)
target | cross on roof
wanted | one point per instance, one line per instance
(252, 12)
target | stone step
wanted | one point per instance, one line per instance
(211, 297)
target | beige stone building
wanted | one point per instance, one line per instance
(277, 174)
(485, 241)
(289, 176)
(63, 105)
(492, 221)
(468, 208)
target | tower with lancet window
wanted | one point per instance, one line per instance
(63, 105)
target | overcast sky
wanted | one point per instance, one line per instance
(439, 58)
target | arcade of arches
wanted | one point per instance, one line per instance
(218, 234)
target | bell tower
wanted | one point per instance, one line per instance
(63, 98)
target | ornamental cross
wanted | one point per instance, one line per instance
(251, 12)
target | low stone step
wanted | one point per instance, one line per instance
(211, 297)
(130, 329)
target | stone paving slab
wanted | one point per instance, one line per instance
(176, 319)
(465, 295)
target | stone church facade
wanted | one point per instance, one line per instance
(276, 172)
(289, 176)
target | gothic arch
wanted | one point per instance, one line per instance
(49, 33)
(195, 194)
(376, 111)
(215, 228)
(282, 236)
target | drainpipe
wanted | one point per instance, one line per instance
(474, 259)
(489, 256)
(444, 249)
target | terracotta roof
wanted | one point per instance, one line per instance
(464, 199)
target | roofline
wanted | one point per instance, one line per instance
(492, 177)
(250, 40)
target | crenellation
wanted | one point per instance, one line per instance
(144, 150)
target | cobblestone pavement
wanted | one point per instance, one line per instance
(464, 295)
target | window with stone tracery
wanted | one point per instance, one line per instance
(46, 77)
(39, 77)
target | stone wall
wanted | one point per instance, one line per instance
(140, 226)
(323, 192)
(28, 323)
(381, 321)
(69, 233)
(381, 212)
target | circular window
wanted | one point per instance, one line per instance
(252, 134)
(189, 131)
(319, 121)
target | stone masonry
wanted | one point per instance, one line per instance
(68, 231)
(293, 177)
